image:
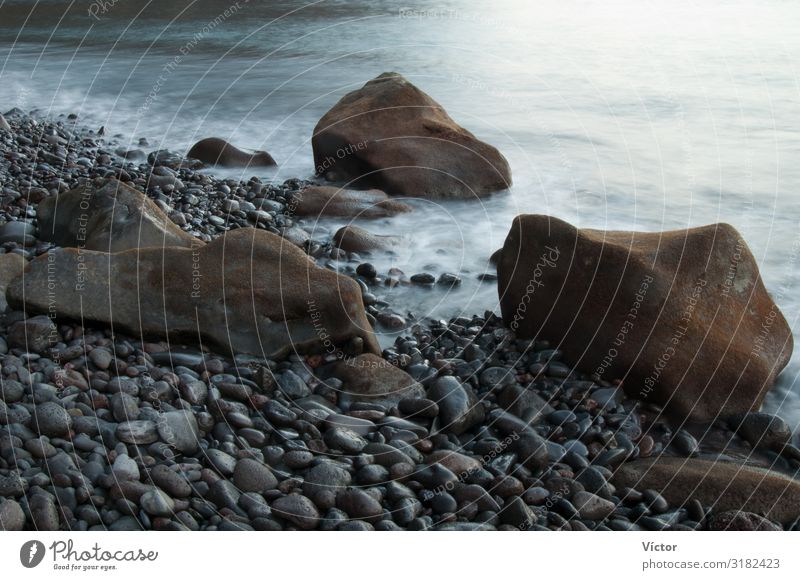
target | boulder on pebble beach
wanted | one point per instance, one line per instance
(722, 485)
(111, 217)
(326, 200)
(217, 151)
(248, 291)
(392, 136)
(356, 239)
(681, 316)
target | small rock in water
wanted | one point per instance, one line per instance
(423, 279)
(448, 280)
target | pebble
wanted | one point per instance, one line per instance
(52, 420)
(297, 510)
(137, 432)
(12, 518)
(252, 475)
(125, 469)
(357, 503)
(592, 507)
(157, 503)
(179, 429)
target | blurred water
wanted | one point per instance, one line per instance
(628, 114)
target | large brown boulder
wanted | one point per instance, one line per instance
(248, 291)
(326, 200)
(217, 151)
(392, 136)
(724, 486)
(681, 316)
(110, 218)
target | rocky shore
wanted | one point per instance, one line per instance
(459, 425)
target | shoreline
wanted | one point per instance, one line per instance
(106, 431)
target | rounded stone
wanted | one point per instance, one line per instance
(297, 510)
(12, 518)
(179, 429)
(52, 420)
(252, 475)
(157, 503)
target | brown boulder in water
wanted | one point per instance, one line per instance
(326, 200)
(390, 135)
(248, 291)
(110, 218)
(681, 316)
(356, 239)
(217, 151)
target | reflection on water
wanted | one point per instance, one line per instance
(620, 114)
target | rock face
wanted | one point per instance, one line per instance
(370, 378)
(681, 316)
(246, 292)
(111, 218)
(726, 486)
(219, 152)
(325, 200)
(392, 136)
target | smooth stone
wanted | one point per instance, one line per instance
(324, 482)
(137, 432)
(52, 420)
(179, 429)
(592, 507)
(12, 518)
(175, 484)
(157, 503)
(125, 468)
(297, 510)
(357, 503)
(252, 475)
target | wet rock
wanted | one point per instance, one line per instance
(355, 239)
(252, 475)
(739, 521)
(357, 141)
(459, 409)
(146, 302)
(298, 510)
(727, 486)
(52, 420)
(33, 334)
(358, 504)
(762, 430)
(110, 218)
(219, 152)
(677, 280)
(370, 378)
(12, 518)
(323, 200)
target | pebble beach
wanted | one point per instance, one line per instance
(460, 425)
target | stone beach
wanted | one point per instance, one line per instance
(458, 425)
